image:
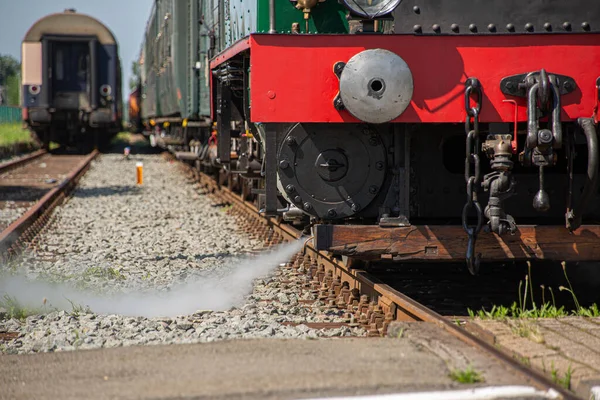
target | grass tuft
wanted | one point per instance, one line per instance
(13, 133)
(564, 380)
(467, 375)
(77, 309)
(14, 309)
(122, 138)
(107, 273)
(528, 330)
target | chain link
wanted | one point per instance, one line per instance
(472, 171)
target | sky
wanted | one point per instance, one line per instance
(125, 18)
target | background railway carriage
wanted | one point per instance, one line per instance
(71, 76)
(404, 130)
(134, 102)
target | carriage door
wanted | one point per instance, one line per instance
(70, 75)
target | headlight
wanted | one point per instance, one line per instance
(105, 90)
(371, 8)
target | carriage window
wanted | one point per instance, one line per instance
(60, 72)
(82, 67)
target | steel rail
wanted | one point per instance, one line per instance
(12, 235)
(9, 165)
(404, 308)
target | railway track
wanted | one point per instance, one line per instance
(370, 302)
(30, 188)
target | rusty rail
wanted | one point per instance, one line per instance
(25, 228)
(9, 165)
(387, 304)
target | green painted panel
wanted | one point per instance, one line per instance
(326, 17)
(243, 17)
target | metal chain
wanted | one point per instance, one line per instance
(472, 175)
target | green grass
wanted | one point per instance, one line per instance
(13, 133)
(14, 309)
(468, 375)
(122, 137)
(107, 273)
(545, 310)
(565, 380)
(77, 309)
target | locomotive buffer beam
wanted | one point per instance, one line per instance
(447, 243)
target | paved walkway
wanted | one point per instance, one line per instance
(555, 346)
(253, 369)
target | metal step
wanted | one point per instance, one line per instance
(186, 156)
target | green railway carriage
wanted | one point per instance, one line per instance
(181, 38)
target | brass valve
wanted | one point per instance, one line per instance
(306, 6)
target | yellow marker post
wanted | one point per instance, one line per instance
(140, 173)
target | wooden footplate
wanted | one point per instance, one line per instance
(449, 243)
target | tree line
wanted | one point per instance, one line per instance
(10, 80)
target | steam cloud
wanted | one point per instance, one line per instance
(206, 293)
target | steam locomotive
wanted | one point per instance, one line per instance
(71, 81)
(415, 130)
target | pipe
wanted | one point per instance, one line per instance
(272, 17)
(574, 216)
(532, 123)
(94, 87)
(556, 124)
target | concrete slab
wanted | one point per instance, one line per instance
(571, 333)
(583, 324)
(554, 346)
(261, 369)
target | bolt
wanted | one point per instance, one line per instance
(373, 189)
(379, 165)
(307, 206)
(373, 141)
(436, 28)
(491, 28)
(416, 10)
(529, 27)
(567, 26)
(417, 29)
(585, 26)
(290, 188)
(473, 28)
(331, 213)
(355, 207)
(339, 67)
(338, 104)
(298, 199)
(290, 141)
(568, 85)
(510, 27)
(454, 28)
(284, 164)
(548, 26)
(509, 85)
(545, 136)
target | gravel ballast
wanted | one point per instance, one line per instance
(159, 253)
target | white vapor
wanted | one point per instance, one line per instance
(206, 293)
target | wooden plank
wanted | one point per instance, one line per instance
(449, 243)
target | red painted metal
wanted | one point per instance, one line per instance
(597, 107)
(292, 77)
(237, 48)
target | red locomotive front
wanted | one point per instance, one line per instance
(438, 130)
